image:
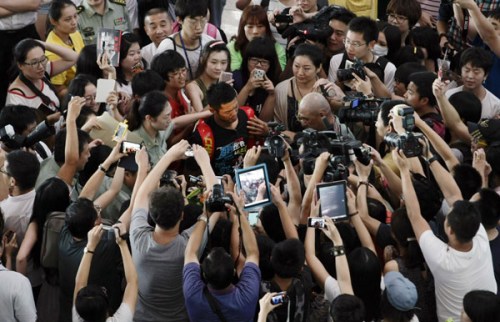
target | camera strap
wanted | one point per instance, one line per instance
(214, 304)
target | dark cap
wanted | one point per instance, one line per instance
(487, 130)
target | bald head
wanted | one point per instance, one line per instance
(314, 103)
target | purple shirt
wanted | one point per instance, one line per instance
(238, 303)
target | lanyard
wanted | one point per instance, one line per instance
(186, 55)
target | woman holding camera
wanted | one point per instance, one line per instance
(257, 77)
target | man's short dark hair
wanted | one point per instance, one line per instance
(365, 26)
(489, 208)
(166, 205)
(468, 179)
(343, 15)
(60, 146)
(288, 258)
(468, 106)
(477, 57)
(147, 81)
(404, 71)
(219, 94)
(423, 81)
(167, 62)
(24, 167)
(80, 217)
(464, 220)
(218, 268)
(347, 308)
(191, 8)
(92, 303)
(19, 116)
(155, 11)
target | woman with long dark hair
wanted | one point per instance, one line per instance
(131, 62)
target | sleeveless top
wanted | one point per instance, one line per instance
(204, 89)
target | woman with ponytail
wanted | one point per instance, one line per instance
(150, 118)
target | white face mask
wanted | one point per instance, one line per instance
(380, 50)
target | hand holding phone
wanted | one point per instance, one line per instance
(225, 77)
(259, 74)
(129, 147)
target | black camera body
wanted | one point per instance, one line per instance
(408, 118)
(275, 143)
(347, 73)
(408, 142)
(217, 200)
(360, 110)
(14, 141)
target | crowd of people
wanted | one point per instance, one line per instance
(118, 196)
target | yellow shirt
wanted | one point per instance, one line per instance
(65, 77)
(359, 7)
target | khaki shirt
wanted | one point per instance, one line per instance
(115, 17)
(156, 147)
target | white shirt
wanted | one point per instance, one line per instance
(18, 21)
(389, 71)
(123, 314)
(148, 52)
(16, 298)
(456, 273)
(490, 104)
(17, 213)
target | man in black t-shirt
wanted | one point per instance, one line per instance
(224, 135)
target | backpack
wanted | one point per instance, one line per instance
(49, 253)
(207, 136)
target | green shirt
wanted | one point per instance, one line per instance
(115, 17)
(237, 59)
(156, 147)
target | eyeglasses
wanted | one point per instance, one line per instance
(196, 21)
(178, 72)
(396, 17)
(90, 98)
(4, 171)
(35, 63)
(355, 44)
(256, 61)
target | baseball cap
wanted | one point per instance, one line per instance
(487, 130)
(400, 291)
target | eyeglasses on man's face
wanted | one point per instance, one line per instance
(355, 44)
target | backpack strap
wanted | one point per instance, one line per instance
(207, 137)
(382, 62)
(342, 62)
(214, 305)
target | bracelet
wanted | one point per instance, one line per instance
(363, 182)
(337, 251)
(353, 214)
(102, 168)
(432, 159)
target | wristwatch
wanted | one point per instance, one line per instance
(203, 218)
(101, 167)
(86, 250)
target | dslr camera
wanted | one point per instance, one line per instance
(408, 142)
(347, 73)
(275, 142)
(217, 199)
(14, 141)
(360, 110)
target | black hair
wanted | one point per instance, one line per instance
(166, 205)
(343, 15)
(313, 52)
(404, 71)
(80, 217)
(60, 145)
(266, 246)
(152, 104)
(365, 26)
(468, 179)
(423, 81)
(218, 268)
(409, 54)
(24, 167)
(51, 195)
(219, 94)
(147, 81)
(273, 166)
(92, 303)
(77, 88)
(390, 313)
(365, 276)
(261, 48)
(464, 219)
(213, 46)
(20, 53)
(428, 195)
(127, 41)
(493, 158)
(56, 7)
(495, 14)
(386, 107)
(98, 155)
(167, 62)
(377, 210)
(155, 11)
(482, 306)
(87, 62)
(411, 9)
(19, 116)
(288, 258)
(347, 308)
(221, 233)
(489, 208)
(191, 8)
(478, 57)
(428, 38)
(468, 106)
(271, 222)
(405, 236)
(252, 14)
(392, 37)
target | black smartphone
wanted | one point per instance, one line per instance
(129, 147)
(283, 18)
(279, 298)
(333, 199)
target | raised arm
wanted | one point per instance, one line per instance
(82, 276)
(286, 221)
(175, 153)
(116, 186)
(249, 241)
(68, 58)
(293, 186)
(194, 93)
(319, 170)
(16, 6)
(203, 159)
(132, 288)
(194, 243)
(418, 222)
(188, 119)
(71, 153)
